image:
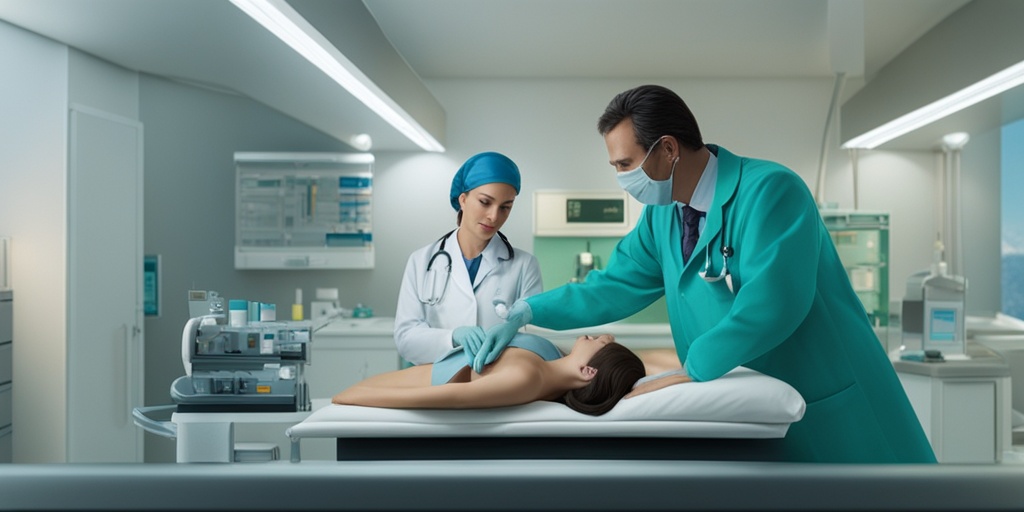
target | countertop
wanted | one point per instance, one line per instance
(635, 336)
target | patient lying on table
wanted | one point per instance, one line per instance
(591, 379)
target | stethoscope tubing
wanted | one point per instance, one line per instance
(435, 299)
(727, 253)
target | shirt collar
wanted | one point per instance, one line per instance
(704, 193)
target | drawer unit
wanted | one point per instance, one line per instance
(6, 375)
(6, 362)
(6, 403)
(6, 444)
(6, 317)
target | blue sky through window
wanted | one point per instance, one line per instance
(1012, 236)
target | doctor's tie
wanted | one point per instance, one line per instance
(691, 223)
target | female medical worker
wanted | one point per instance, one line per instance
(468, 275)
(761, 286)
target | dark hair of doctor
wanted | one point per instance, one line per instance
(655, 112)
(618, 369)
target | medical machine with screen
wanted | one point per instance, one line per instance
(255, 367)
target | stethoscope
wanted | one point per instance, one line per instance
(432, 275)
(727, 252)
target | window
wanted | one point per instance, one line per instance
(1012, 236)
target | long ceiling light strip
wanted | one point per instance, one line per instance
(289, 26)
(979, 91)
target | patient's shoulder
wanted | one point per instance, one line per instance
(515, 367)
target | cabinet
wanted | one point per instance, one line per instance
(862, 241)
(303, 210)
(963, 405)
(348, 350)
(6, 376)
(105, 345)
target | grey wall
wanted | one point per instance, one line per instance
(191, 135)
(33, 142)
(981, 168)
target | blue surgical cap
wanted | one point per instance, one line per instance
(481, 169)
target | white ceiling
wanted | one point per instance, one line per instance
(640, 38)
(211, 42)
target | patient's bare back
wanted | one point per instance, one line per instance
(514, 378)
(513, 359)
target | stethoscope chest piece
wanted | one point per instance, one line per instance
(727, 252)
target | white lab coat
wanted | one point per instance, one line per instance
(424, 332)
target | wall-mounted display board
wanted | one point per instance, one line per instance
(304, 210)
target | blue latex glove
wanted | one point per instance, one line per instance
(470, 338)
(499, 336)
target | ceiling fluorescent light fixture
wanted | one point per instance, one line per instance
(979, 91)
(289, 26)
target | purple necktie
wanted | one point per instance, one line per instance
(691, 223)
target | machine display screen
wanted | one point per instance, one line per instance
(943, 325)
(595, 210)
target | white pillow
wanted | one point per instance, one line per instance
(742, 395)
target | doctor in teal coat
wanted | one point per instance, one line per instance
(762, 286)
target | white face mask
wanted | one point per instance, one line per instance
(645, 189)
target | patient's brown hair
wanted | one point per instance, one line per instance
(618, 368)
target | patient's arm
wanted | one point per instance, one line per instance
(510, 385)
(656, 384)
(659, 360)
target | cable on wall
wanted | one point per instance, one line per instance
(819, 189)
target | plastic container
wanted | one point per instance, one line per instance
(238, 313)
(268, 312)
(362, 311)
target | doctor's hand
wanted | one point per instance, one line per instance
(499, 336)
(470, 338)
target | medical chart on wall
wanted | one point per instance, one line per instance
(304, 212)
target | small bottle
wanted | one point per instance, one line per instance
(297, 306)
(238, 313)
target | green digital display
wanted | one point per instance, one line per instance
(595, 211)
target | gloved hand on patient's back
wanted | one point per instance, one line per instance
(499, 336)
(470, 338)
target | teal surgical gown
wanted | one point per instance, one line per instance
(793, 316)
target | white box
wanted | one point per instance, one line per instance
(554, 211)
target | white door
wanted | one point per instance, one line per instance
(105, 342)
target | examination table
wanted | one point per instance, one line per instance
(741, 416)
